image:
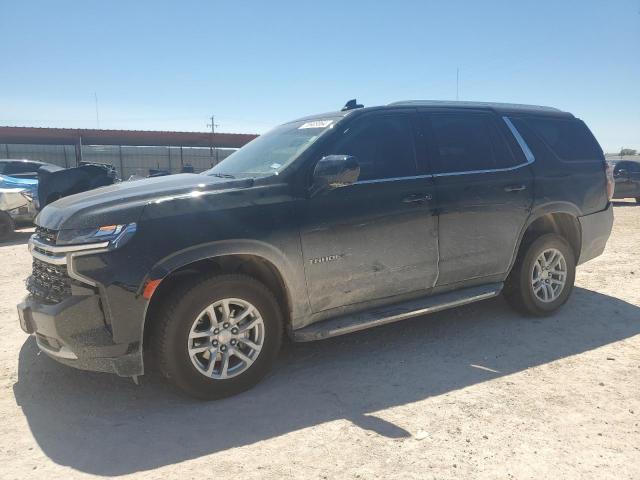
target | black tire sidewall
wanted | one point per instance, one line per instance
(176, 364)
(531, 302)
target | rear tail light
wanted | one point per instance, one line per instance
(610, 181)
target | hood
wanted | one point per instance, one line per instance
(123, 202)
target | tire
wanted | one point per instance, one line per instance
(637, 199)
(6, 226)
(179, 319)
(519, 288)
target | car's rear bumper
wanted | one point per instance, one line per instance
(596, 229)
(73, 332)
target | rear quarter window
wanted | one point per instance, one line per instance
(569, 139)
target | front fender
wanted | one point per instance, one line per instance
(292, 276)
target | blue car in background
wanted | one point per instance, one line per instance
(18, 193)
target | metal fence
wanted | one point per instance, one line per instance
(127, 160)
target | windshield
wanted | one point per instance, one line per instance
(270, 153)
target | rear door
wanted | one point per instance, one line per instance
(484, 191)
(377, 238)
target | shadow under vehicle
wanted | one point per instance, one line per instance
(98, 424)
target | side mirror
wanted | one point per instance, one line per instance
(335, 171)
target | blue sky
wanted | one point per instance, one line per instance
(169, 65)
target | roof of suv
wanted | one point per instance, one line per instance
(498, 108)
(495, 106)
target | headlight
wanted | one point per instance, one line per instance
(116, 235)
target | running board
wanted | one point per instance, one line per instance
(394, 313)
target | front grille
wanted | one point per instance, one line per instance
(49, 282)
(46, 235)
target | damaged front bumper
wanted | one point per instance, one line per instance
(73, 332)
(65, 311)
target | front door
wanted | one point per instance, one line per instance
(484, 188)
(377, 238)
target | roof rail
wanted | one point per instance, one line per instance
(455, 103)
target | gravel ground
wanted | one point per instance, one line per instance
(473, 392)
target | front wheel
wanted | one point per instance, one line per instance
(219, 336)
(543, 276)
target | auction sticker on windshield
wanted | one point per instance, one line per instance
(316, 124)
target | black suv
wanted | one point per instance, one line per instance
(323, 226)
(626, 174)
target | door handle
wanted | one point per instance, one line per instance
(515, 188)
(417, 198)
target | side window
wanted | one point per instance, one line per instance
(466, 143)
(383, 146)
(570, 140)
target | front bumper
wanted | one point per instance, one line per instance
(76, 328)
(596, 229)
(73, 332)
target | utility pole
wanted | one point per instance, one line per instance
(213, 126)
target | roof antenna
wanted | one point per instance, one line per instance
(351, 104)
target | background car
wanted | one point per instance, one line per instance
(22, 168)
(626, 174)
(16, 203)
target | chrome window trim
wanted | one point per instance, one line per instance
(392, 179)
(489, 170)
(528, 154)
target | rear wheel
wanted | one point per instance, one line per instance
(543, 276)
(219, 336)
(637, 199)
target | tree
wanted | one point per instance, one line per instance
(628, 151)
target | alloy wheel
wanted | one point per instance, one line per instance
(226, 338)
(549, 275)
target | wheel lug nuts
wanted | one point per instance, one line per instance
(225, 325)
(216, 331)
(223, 348)
(214, 342)
(233, 341)
(234, 331)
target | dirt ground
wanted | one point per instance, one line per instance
(476, 392)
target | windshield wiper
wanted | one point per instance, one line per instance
(222, 175)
